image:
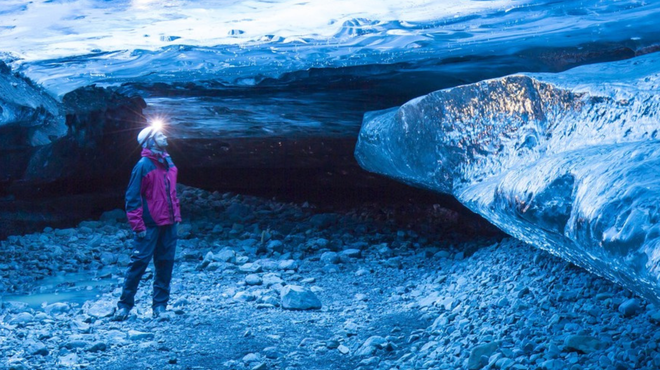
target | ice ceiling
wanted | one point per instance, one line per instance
(65, 44)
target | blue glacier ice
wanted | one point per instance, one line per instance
(66, 44)
(567, 162)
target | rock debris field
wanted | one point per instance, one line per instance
(261, 284)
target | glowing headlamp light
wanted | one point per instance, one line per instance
(156, 125)
(149, 132)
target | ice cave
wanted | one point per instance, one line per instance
(414, 184)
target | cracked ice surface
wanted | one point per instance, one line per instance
(567, 162)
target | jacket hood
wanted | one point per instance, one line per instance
(158, 156)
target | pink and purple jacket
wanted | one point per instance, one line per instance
(151, 195)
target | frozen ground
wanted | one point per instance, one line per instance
(402, 286)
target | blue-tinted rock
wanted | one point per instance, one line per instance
(250, 267)
(275, 246)
(330, 258)
(138, 335)
(582, 343)
(270, 279)
(76, 343)
(371, 345)
(34, 347)
(351, 253)
(97, 347)
(554, 364)
(253, 279)
(21, 319)
(294, 297)
(479, 355)
(630, 307)
(225, 255)
(108, 258)
(238, 212)
(604, 361)
(57, 308)
(99, 309)
(288, 265)
(654, 317)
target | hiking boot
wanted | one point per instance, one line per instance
(121, 314)
(158, 311)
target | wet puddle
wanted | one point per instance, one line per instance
(75, 287)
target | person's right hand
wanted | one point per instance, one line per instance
(141, 234)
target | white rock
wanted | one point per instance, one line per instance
(225, 255)
(272, 279)
(288, 265)
(251, 357)
(253, 279)
(21, 318)
(56, 308)
(370, 346)
(139, 335)
(99, 308)
(250, 267)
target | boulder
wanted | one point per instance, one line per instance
(295, 297)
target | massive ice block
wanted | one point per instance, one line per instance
(568, 162)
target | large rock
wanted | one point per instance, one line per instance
(479, 355)
(57, 308)
(21, 319)
(35, 347)
(371, 345)
(298, 298)
(582, 343)
(99, 308)
(629, 307)
(565, 162)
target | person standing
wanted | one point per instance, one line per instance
(153, 212)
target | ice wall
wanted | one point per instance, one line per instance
(29, 119)
(566, 162)
(86, 136)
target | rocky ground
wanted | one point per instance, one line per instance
(261, 284)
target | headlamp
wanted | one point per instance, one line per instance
(149, 132)
(156, 125)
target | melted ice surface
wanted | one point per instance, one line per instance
(65, 44)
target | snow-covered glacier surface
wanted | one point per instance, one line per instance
(567, 162)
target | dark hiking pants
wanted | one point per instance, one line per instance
(159, 244)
